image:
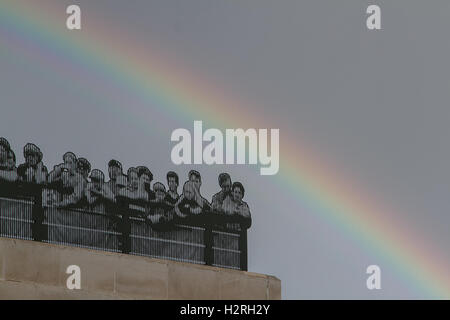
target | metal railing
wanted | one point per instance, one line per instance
(211, 239)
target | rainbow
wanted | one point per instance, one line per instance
(172, 89)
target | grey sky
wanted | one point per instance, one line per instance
(374, 104)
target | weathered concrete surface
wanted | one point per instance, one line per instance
(32, 270)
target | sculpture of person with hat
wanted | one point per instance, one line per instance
(83, 167)
(160, 208)
(8, 171)
(65, 176)
(33, 170)
(98, 194)
(4, 149)
(145, 178)
(11, 163)
(69, 164)
(115, 173)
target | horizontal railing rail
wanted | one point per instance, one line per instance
(210, 238)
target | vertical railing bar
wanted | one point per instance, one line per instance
(208, 239)
(39, 229)
(243, 249)
(124, 226)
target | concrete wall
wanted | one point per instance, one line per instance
(32, 270)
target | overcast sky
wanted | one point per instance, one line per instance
(374, 104)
